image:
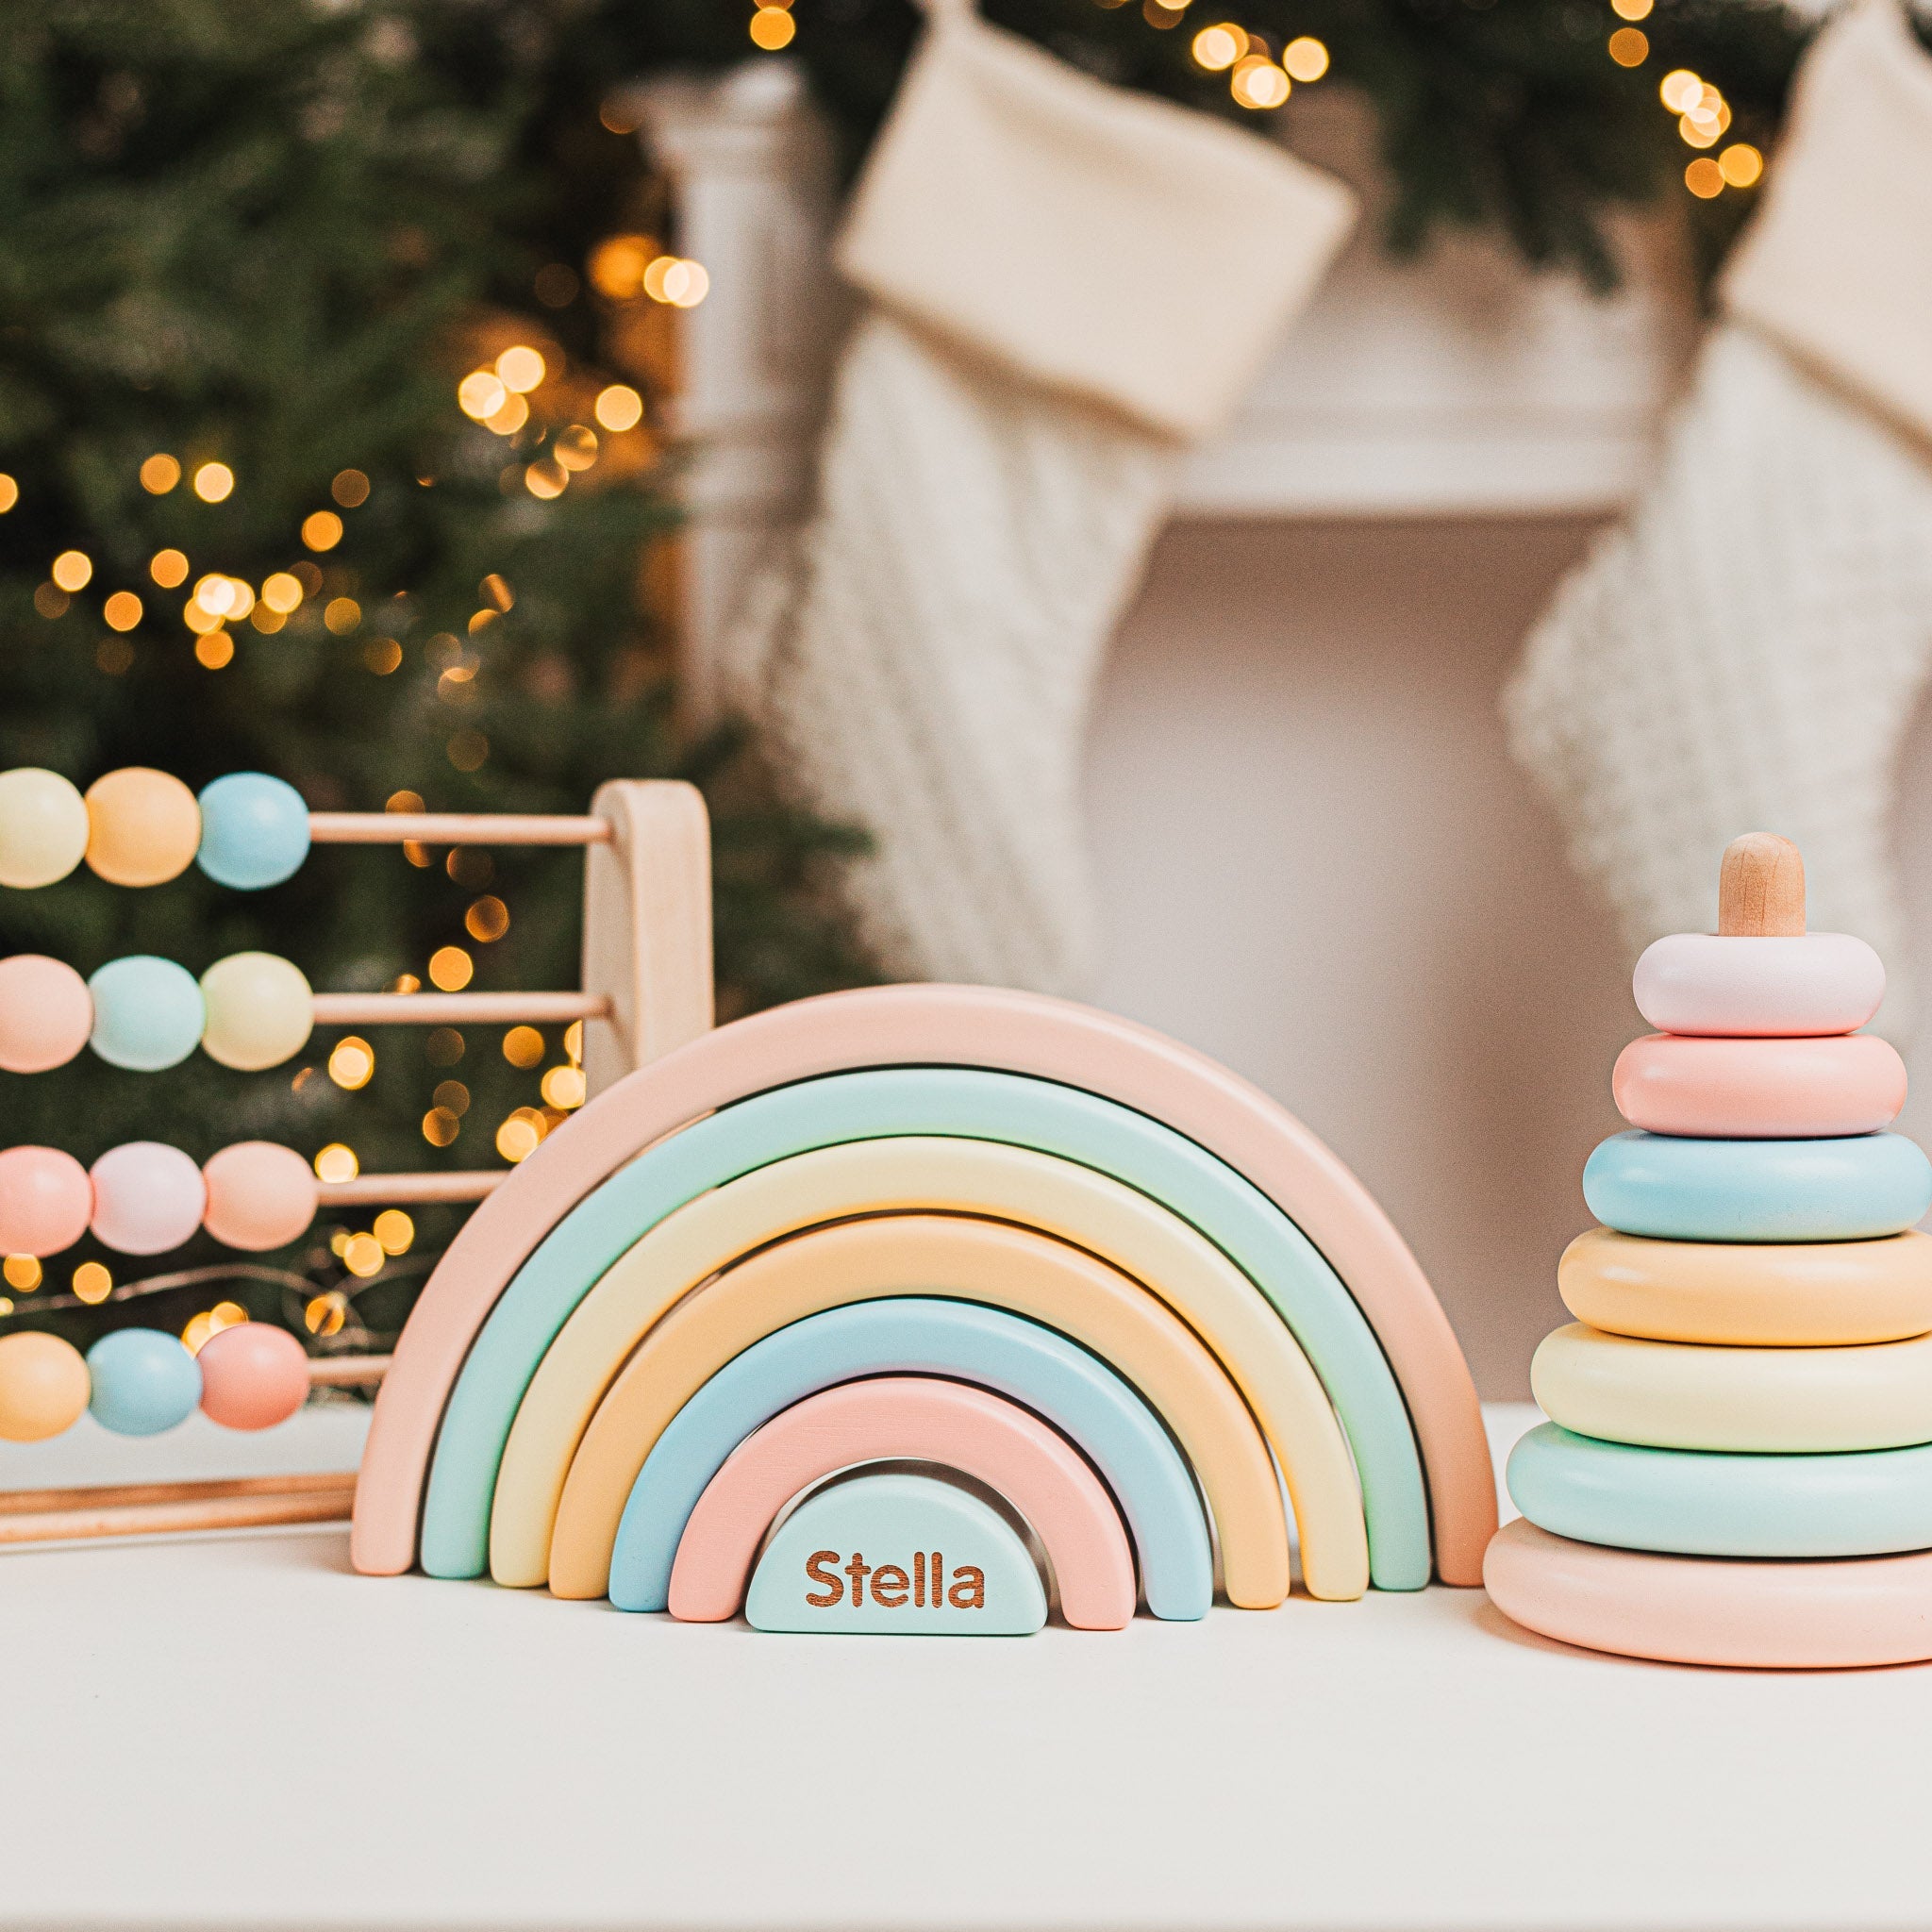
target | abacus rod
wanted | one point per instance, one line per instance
(347, 1371)
(371, 1190)
(454, 828)
(205, 1490)
(190, 1513)
(454, 1008)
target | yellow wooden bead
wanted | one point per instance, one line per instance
(260, 1010)
(43, 827)
(43, 1386)
(144, 827)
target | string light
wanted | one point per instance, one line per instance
(443, 1047)
(441, 1126)
(576, 447)
(72, 570)
(522, 1046)
(326, 1314)
(1257, 83)
(122, 611)
(773, 27)
(281, 592)
(159, 475)
(546, 479)
(352, 1063)
(480, 394)
(511, 417)
(21, 1272)
(617, 265)
(674, 280)
(573, 1042)
(9, 493)
(382, 656)
(1742, 165)
(322, 530)
(363, 1255)
(487, 919)
(214, 482)
(1629, 47)
(92, 1284)
(169, 568)
(342, 615)
(1704, 178)
(395, 1230)
(1679, 90)
(214, 651)
(1305, 58)
(451, 969)
(337, 1162)
(619, 408)
(1632, 9)
(519, 369)
(350, 488)
(518, 1137)
(563, 1088)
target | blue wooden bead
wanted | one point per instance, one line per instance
(254, 831)
(143, 1382)
(149, 1013)
(1854, 1189)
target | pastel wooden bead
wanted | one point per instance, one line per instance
(43, 827)
(252, 1375)
(1804, 1089)
(45, 1014)
(43, 1387)
(1820, 982)
(1769, 1294)
(1853, 1189)
(1702, 1503)
(261, 1010)
(148, 1198)
(45, 1200)
(254, 831)
(259, 1196)
(143, 826)
(149, 1013)
(1695, 1610)
(1767, 1401)
(896, 1555)
(143, 1381)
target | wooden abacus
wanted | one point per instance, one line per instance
(646, 988)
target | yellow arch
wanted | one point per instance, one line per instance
(1135, 1233)
(988, 1261)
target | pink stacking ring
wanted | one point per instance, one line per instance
(1759, 1090)
(1819, 982)
(1832, 1615)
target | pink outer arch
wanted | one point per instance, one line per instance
(938, 1025)
(894, 1418)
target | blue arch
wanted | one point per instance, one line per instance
(1060, 1381)
(967, 1103)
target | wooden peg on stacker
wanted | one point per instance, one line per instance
(1760, 889)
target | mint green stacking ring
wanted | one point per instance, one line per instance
(1696, 1503)
(1849, 1190)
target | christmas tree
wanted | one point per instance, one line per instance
(332, 343)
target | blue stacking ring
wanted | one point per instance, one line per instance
(1696, 1503)
(1853, 1189)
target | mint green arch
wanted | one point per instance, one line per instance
(965, 1104)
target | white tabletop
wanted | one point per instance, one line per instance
(239, 1731)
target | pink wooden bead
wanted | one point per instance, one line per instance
(45, 1013)
(252, 1375)
(148, 1198)
(260, 1195)
(45, 1201)
(1759, 1090)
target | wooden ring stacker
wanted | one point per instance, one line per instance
(1804, 1294)
(843, 1266)
(953, 1103)
(980, 1177)
(1795, 1089)
(1760, 1400)
(951, 1025)
(1709, 1610)
(907, 1418)
(1063, 1384)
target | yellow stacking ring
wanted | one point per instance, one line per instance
(1770, 1400)
(1812, 1294)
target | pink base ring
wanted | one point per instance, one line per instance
(1744, 1613)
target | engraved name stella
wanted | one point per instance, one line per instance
(891, 1586)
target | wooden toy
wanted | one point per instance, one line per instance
(1699, 1502)
(1767, 1401)
(942, 1563)
(977, 1178)
(1854, 1083)
(1807, 1294)
(1855, 1188)
(1768, 1397)
(958, 1102)
(1056, 1220)
(646, 851)
(950, 1027)
(1062, 1383)
(1696, 1611)
(1002, 1268)
(908, 1418)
